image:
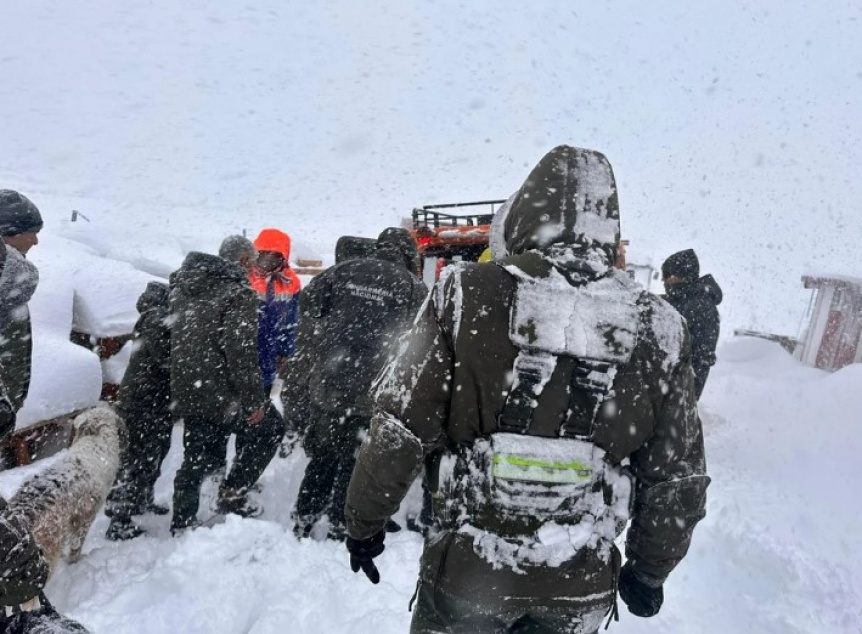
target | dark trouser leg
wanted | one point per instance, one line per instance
(347, 444)
(158, 445)
(427, 514)
(338, 498)
(316, 489)
(148, 443)
(203, 442)
(256, 445)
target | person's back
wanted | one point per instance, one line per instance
(214, 360)
(144, 403)
(696, 298)
(23, 569)
(146, 382)
(350, 317)
(359, 309)
(529, 382)
(216, 385)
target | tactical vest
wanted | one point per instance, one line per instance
(514, 484)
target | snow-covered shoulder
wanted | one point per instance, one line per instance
(448, 294)
(669, 329)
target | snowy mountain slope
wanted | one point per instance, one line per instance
(732, 128)
(778, 552)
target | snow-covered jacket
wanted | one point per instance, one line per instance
(214, 360)
(278, 296)
(351, 315)
(698, 302)
(18, 282)
(146, 387)
(554, 292)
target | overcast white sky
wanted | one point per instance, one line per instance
(733, 127)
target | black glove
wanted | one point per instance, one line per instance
(642, 598)
(362, 553)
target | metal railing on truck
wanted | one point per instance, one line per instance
(430, 216)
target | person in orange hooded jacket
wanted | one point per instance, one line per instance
(278, 288)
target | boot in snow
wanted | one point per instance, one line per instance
(303, 524)
(392, 526)
(238, 503)
(151, 508)
(415, 525)
(178, 529)
(122, 530)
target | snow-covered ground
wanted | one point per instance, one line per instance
(778, 552)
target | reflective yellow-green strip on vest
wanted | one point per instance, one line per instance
(514, 467)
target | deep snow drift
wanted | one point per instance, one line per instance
(778, 551)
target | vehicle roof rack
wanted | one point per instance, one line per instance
(428, 216)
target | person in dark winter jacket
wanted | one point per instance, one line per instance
(144, 404)
(696, 298)
(20, 223)
(528, 382)
(242, 251)
(215, 381)
(277, 287)
(351, 316)
(23, 569)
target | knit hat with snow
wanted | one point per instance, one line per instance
(683, 264)
(18, 214)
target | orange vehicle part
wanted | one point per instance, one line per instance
(441, 239)
(451, 232)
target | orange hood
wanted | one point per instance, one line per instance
(274, 240)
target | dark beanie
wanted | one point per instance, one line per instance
(390, 253)
(683, 265)
(18, 214)
(403, 241)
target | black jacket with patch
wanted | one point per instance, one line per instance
(349, 318)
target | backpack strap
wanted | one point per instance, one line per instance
(591, 383)
(532, 371)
